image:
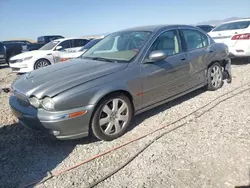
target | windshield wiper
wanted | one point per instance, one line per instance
(101, 59)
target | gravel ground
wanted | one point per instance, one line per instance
(212, 149)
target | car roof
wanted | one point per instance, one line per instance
(69, 38)
(204, 25)
(240, 20)
(154, 28)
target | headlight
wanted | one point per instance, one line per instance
(48, 103)
(27, 58)
(24, 59)
(34, 102)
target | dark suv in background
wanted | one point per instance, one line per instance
(206, 28)
(2, 53)
(9, 49)
(41, 41)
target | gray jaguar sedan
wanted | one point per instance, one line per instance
(128, 72)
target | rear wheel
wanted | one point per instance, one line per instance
(215, 77)
(112, 117)
(41, 63)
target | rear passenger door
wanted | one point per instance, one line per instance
(165, 78)
(200, 52)
(78, 44)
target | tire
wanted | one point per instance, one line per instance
(111, 118)
(41, 63)
(215, 77)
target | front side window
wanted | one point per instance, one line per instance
(119, 46)
(168, 42)
(194, 39)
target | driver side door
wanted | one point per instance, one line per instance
(165, 78)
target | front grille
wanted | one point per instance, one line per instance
(21, 98)
(15, 69)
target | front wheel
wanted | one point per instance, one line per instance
(112, 117)
(41, 63)
(215, 77)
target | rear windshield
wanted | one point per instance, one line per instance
(233, 26)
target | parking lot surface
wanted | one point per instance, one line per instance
(210, 149)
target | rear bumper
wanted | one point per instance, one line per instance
(240, 49)
(2, 61)
(52, 123)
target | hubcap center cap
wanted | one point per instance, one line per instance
(113, 116)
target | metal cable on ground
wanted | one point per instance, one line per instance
(95, 183)
(51, 175)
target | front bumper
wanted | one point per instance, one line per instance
(22, 67)
(56, 123)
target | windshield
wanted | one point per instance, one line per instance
(120, 46)
(49, 46)
(90, 44)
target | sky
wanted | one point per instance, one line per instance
(33, 18)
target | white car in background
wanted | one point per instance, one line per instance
(46, 55)
(80, 52)
(236, 35)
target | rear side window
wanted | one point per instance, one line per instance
(53, 38)
(168, 42)
(194, 39)
(80, 42)
(40, 40)
(233, 26)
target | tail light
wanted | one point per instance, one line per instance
(64, 59)
(245, 36)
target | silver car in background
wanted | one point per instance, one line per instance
(126, 73)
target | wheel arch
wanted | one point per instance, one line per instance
(39, 60)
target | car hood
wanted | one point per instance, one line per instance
(72, 54)
(54, 79)
(31, 53)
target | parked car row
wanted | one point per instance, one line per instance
(47, 55)
(236, 35)
(122, 75)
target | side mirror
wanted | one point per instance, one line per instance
(58, 48)
(157, 55)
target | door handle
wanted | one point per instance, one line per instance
(211, 51)
(182, 59)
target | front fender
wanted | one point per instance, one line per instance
(103, 91)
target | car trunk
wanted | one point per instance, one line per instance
(226, 36)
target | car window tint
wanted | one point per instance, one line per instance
(168, 42)
(194, 39)
(233, 26)
(238, 25)
(80, 42)
(65, 44)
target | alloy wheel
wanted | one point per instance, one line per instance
(114, 115)
(216, 76)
